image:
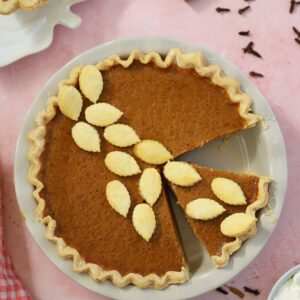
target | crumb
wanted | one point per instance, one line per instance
(268, 210)
(23, 216)
(225, 140)
(264, 125)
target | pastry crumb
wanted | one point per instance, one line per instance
(265, 122)
(225, 140)
(264, 125)
(23, 217)
(274, 219)
(268, 212)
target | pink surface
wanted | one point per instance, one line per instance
(196, 21)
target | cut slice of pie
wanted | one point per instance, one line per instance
(9, 6)
(106, 125)
(240, 193)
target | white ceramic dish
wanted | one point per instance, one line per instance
(282, 280)
(255, 150)
(28, 32)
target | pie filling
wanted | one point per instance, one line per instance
(167, 110)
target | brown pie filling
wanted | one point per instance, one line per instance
(174, 106)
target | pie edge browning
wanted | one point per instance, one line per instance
(36, 136)
(10, 6)
(261, 201)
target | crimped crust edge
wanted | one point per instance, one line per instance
(36, 136)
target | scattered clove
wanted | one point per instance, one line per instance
(244, 33)
(222, 291)
(251, 291)
(222, 10)
(244, 9)
(257, 75)
(296, 31)
(292, 6)
(249, 49)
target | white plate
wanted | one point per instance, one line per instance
(28, 32)
(255, 150)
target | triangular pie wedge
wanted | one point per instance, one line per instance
(219, 246)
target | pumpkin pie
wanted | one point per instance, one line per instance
(97, 155)
(233, 194)
(9, 6)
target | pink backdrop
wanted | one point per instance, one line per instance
(270, 25)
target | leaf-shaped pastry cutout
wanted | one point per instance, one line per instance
(228, 191)
(86, 137)
(237, 224)
(121, 135)
(204, 209)
(91, 82)
(121, 163)
(118, 197)
(150, 185)
(181, 173)
(70, 102)
(152, 152)
(143, 219)
(102, 114)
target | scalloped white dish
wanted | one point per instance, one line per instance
(26, 32)
(254, 150)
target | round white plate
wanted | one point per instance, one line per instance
(255, 150)
(27, 32)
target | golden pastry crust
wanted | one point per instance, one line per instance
(9, 6)
(37, 137)
(229, 248)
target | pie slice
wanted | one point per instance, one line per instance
(166, 106)
(208, 231)
(9, 6)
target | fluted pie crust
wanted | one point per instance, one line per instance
(37, 137)
(9, 6)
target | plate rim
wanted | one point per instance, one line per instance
(158, 41)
